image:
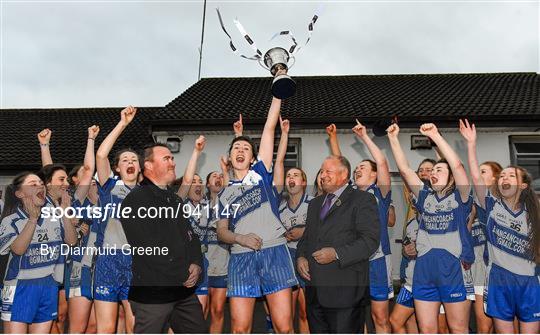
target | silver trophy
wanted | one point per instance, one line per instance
(276, 60)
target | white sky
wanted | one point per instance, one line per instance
(145, 53)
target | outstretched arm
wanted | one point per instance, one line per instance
(279, 168)
(331, 130)
(409, 175)
(88, 166)
(102, 155)
(191, 167)
(383, 171)
(44, 138)
(266, 149)
(468, 131)
(458, 170)
(238, 127)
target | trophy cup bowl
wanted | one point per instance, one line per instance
(276, 60)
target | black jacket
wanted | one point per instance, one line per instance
(351, 227)
(158, 278)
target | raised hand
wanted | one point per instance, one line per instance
(200, 143)
(34, 212)
(93, 132)
(44, 136)
(224, 163)
(359, 129)
(128, 114)
(65, 202)
(285, 125)
(238, 126)
(429, 130)
(331, 130)
(393, 131)
(468, 131)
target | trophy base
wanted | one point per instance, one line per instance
(283, 87)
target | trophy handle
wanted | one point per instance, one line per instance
(291, 57)
(260, 61)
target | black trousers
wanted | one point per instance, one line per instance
(183, 316)
(323, 320)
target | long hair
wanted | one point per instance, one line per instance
(286, 195)
(11, 201)
(529, 200)
(316, 188)
(496, 169)
(451, 182)
(73, 173)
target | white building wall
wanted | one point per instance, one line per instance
(492, 145)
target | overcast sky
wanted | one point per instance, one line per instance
(145, 53)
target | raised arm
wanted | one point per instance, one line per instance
(102, 156)
(44, 138)
(266, 149)
(458, 170)
(89, 165)
(331, 130)
(198, 148)
(224, 165)
(383, 171)
(279, 167)
(468, 131)
(409, 175)
(238, 127)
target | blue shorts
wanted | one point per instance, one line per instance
(439, 276)
(380, 280)
(217, 281)
(78, 280)
(112, 277)
(301, 281)
(30, 300)
(202, 288)
(508, 295)
(405, 298)
(253, 274)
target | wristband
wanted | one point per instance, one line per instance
(44, 144)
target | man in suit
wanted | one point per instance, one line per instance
(342, 232)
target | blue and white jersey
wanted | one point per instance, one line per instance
(43, 257)
(198, 220)
(443, 224)
(252, 206)
(507, 236)
(411, 231)
(111, 194)
(218, 252)
(383, 205)
(294, 217)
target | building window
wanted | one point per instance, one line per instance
(293, 155)
(525, 151)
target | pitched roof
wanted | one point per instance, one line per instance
(19, 145)
(482, 97)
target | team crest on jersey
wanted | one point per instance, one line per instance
(58, 233)
(103, 290)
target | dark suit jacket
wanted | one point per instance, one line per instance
(352, 229)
